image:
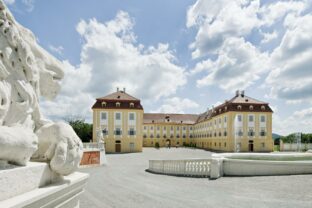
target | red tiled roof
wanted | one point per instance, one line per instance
(119, 95)
(169, 118)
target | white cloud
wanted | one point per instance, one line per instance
(56, 49)
(236, 67)
(238, 64)
(291, 78)
(273, 12)
(177, 105)
(8, 2)
(299, 121)
(224, 19)
(111, 58)
(116, 60)
(268, 37)
(30, 4)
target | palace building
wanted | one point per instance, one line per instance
(240, 124)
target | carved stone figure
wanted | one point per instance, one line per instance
(28, 72)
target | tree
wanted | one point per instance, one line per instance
(82, 129)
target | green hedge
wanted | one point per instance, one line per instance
(291, 138)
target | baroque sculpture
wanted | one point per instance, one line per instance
(28, 72)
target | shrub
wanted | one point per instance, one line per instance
(157, 145)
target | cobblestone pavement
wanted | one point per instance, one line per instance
(124, 183)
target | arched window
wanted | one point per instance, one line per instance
(262, 107)
(251, 107)
(131, 105)
(103, 104)
(239, 107)
(118, 104)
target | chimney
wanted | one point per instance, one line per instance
(117, 89)
(242, 93)
(124, 89)
(237, 93)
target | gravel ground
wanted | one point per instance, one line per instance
(124, 183)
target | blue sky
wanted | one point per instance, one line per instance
(178, 56)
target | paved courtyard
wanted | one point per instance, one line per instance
(124, 183)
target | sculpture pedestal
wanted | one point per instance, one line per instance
(35, 185)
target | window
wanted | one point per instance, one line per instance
(178, 136)
(118, 104)
(191, 128)
(191, 136)
(164, 136)
(251, 118)
(262, 132)
(151, 136)
(152, 127)
(225, 119)
(251, 132)
(165, 128)
(131, 105)
(158, 136)
(184, 128)
(118, 132)
(262, 107)
(103, 115)
(240, 132)
(262, 118)
(219, 134)
(224, 144)
(178, 128)
(117, 116)
(184, 136)
(225, 133)
(219, 120)
(131, 132)
(105, 132)
(171, 128)
(131, 116)
(239, 107)
(239, 118)
(103, 104)
(158, 128)
(144, 127)
(144, 136)
(251, 107)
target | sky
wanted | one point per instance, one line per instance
(178, 56)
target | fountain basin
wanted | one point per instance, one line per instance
(262, 164)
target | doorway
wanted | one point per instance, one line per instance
(131, 147)
(118, 146)
(250, 146)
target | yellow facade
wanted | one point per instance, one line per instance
(241, 124)
(219, 134)
(166, 134)
(128, 143)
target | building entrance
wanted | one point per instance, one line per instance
(117, 146)
(250, 146)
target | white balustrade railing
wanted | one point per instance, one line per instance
(191, 167)
(93, 146)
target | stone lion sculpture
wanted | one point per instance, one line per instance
(28, 72)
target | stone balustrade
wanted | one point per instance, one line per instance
(93, 146)
(190, 167)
